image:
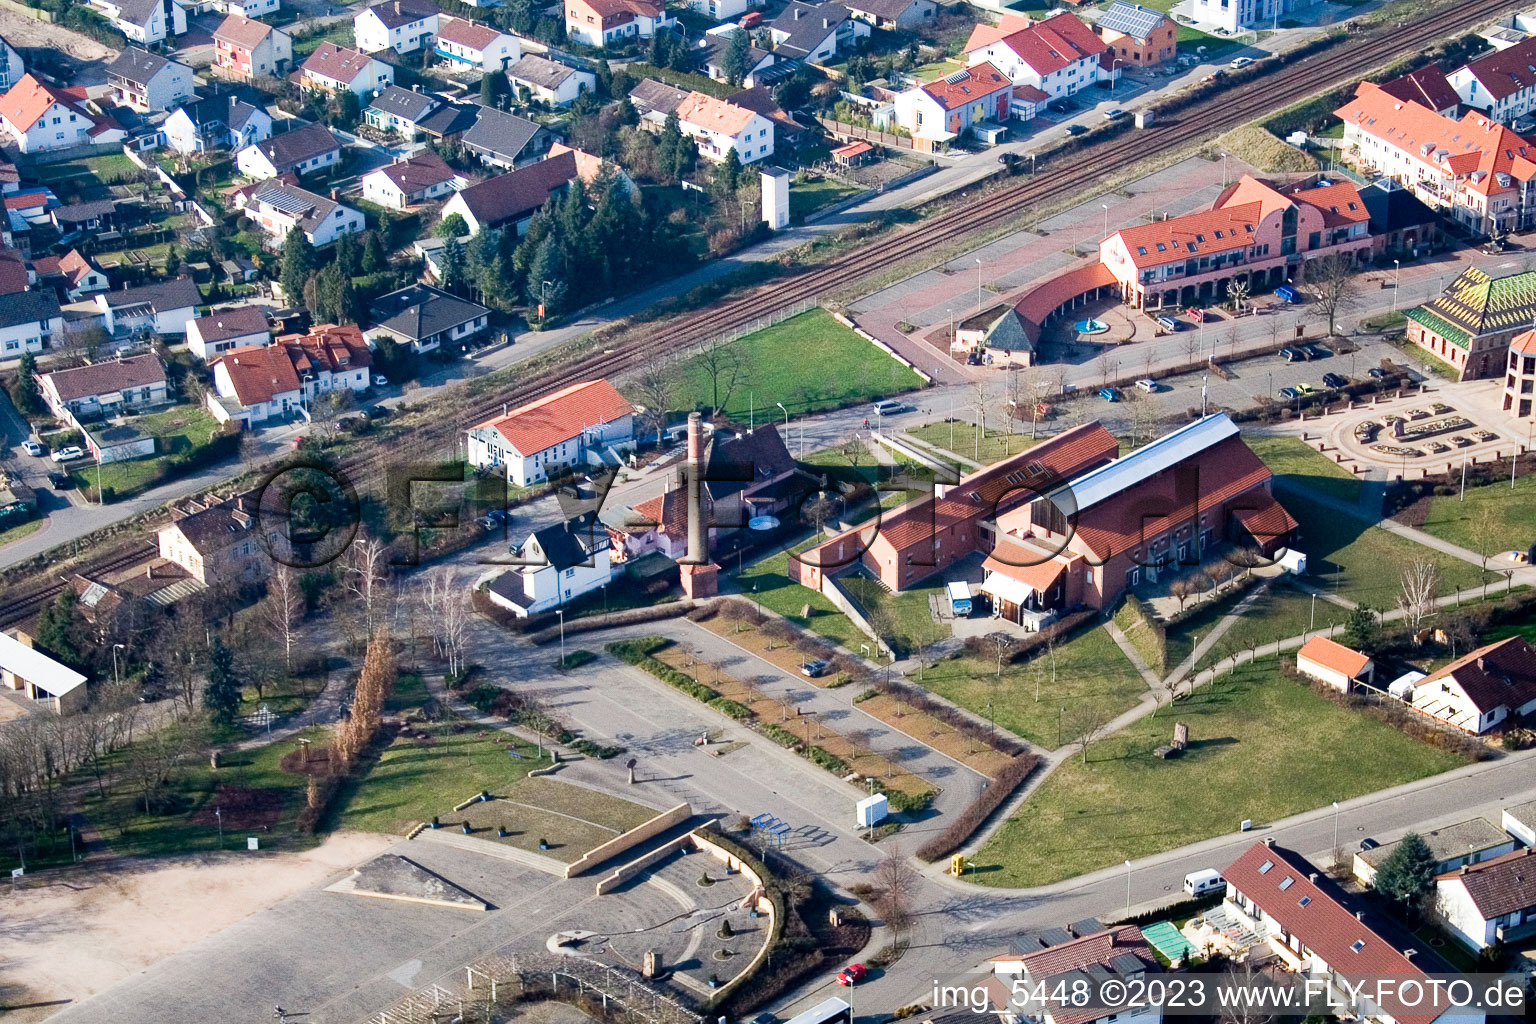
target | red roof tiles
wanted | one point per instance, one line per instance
(1334, 656)
(977, 82)
(560, 416)
(1046, 46)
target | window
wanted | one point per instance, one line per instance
(1304, 901)
(1357, 945)
(1264, 868)
(1286, 883)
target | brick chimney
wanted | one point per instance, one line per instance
(698, 575)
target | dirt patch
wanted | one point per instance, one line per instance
(307, 760)
(76, 932)
(21, 31)
(241, 808)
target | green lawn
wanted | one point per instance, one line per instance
(1369, 559)
(567, 819)
(774, 589)
(1494, 517)
(995, 445)
(1279, 612)
(809, 362)
(813, 195)
(1089, 668)
(340, 34)
(939, 68)
(180, 428)
(19, 531)
(1260, 748)
(1296, 463)
(911, 621)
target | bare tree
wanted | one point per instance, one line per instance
(1167, 687)
(1461, 635)
(447, 606)
(1086, 724)
(820, 510)
(853, 451)
(897, 885)
(1106, 366)
(1191, 345)
(1182, 588)
(725, 364)
(1332, 280)
(656, 388)
(1416, 595)
(1002, 643)
(365, 575)
(282, 610)
(1237, 294)
(151, 761)
(1485, 532)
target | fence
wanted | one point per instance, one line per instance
(843, 129)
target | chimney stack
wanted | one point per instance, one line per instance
(698, 575)
(1269, 840)
(1312, 877)
(397, 7)
(1359, 915)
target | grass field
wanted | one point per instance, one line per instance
(19, 531)
(1276, 613)
(1089, 669)
(776, 592)
(1494, 517)
(911, 621)
(813, 195)
(526, 810)
(341, 34)
(1260, 748)
(994, 446)
(177, 429)
(809, 362)
(1295, 463)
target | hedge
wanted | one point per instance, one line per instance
(628, 617)
(638, 654)
(1004, 783)
(1174, 911)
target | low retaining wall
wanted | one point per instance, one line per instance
(765, 905)
(612, 881)
(30, 12)
(882, 346)
(617, 845)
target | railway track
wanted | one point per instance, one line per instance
(1213, 115)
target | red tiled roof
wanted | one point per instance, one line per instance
(1427, 86)
(1180, 238)
(852, 149)
(1506, 72)
(26, 201)
(1036, 569)
(1339, 202)
(1046, 46)
(1334, 656)
(30, 99)
(467, 33)
(258, 372)
(717, 115)
(668, 511)
(1267, 521)
(238, 30)
(1500, 673)
(1082, 953)
(977, 82)
(560, 416)
(421, 171)
(1318, 919)
(74, 266)
(1499, 886)
(1030, 93)
(1043, 300)
(327, 347)
(337, 63)
(1524, 343)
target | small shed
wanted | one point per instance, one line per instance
(959, 597)
(853, 154)
(60, 688)
(1402, 686)
(119, 442)
(1333, 663)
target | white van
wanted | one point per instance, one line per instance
(1198, 883)
(888, 407)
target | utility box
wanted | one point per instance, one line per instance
(1294, 562)
(957, 864)
(775, 197)
(873, 810)
(1146, 118)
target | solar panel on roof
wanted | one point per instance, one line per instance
(1130, 19)
(1054, 937)
(1126, 963)
(93, 595)
(285, 201)
(956, 76)
(1088, 925)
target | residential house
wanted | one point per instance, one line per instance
(504, 140)
(217, 122)
(1427, 86)
(104, 389)
(719, 126)
(1520, 822)
(95, 216)
(510, 200)
(147, 81)
(714, 47)
(277, 381)
(592, 169)
(248, 8)
(998, 334)
(164, 308)
(330, 357)
(1058, 56)
(28, 321)
(1471, 324)
(722, 10)
(1478, 691)
(1491, 903)
(50, 683)
(549, 81)
(405, 183)
(1501, 84)
(657, 525)
(1119, 953)
(144, 21)
(245, 50)
(74, 273)
(400, 25)
(1256, 233)
(305, 150)
(654, 100)
(425, 318)
(332, 68)
(12, 67)
(209, 337)
(278, 208)
(1333, 664)
(1453, 846)
(400, 111)
(943, 110)
(601, 22)
(787, 132)
(560, 563)
(552, 434)
(893, 14)
(1475, 170)
(1067, 524)
(1138, 36)
(474, 45)
(37, 118)
(219, 543)
(815, 33)
(1234, 16)
(1301, 917)
(1400, 225)
(449, 122)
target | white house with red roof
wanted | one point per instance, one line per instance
(1304, 919)
(37, 118)
(601, 22)
(400, 25)
(1058, 55)
(557, 431)
(941, 111)
(1332, 663)
(719, 126)
(257, 383)
(472, 44)
(332, 68)
(1502, 84)
(77, 275)
(1475, 169)
(244, 49)
(1490, 903)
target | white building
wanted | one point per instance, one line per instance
(1491, 903)
(278, 208)
(1502, 84)
(420, 179)
(549, 81)
(815, 33)
(470, 44)
(246, 50)
(400, 25)
(305, 150)
(1058, 56)
(104, 388)
(554, 433)
(425, 318)
(722, 10)
(561, 563)
(146, 81)
(940, 111)
(51, 684)
(1477, 692)
(253, 385)
(218, 122)
(1452, 846)
(209, 337)
(1334, 664)
(248, 8)
(603, 22)
(144, 21)
(720, 126)
(12, 67)
(1239, 15)
(37, 118)
(510, 200)
(28, 320)
(332, 68)
(165, 307)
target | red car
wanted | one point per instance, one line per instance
(852, 974)
(1196, 314)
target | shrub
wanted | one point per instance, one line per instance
(731, 708)
(628, 617)
(866, 695)
(599, 751)
(638, 654)
(1004, 783)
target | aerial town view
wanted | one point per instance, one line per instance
(767, 511)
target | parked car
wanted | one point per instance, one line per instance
(69, 454)
(1114, 114)
(1061, 105)
(1291, 355)
(813, 669)
(1167, 323)
(1109, 394)
(1304, 389)
(1148, 385)
(1195, 313)
(1316, 351)
(32, 448)
(1376, 373)
(380, 381)
(1076, 129)
(1334, 380)
(376, 412)
(1239, 63)
(59, 481)
(1288, 393)
(1368, 844)
(852, 974)
(1214, 76)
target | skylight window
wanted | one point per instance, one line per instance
(1287, 883)
(1161, 247)
(1141, 250)
(1357, 945)
(1192, 247)
(1219, 234)
(1304, 901)
(1199, 237)
(1265, 867)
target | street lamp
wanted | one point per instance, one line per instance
(543, 300)
(1059, 715)
(786, 421)
(1223, 170)
(1397, 266)
(1127, 888)
(978, 284)
(1335, 829)
(1105, 208)
(1114, 79)
(561, 613)
(115, 680)
(991, 727)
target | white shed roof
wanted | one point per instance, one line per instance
(36, 667)
(1127, 471)
(1006, 588)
